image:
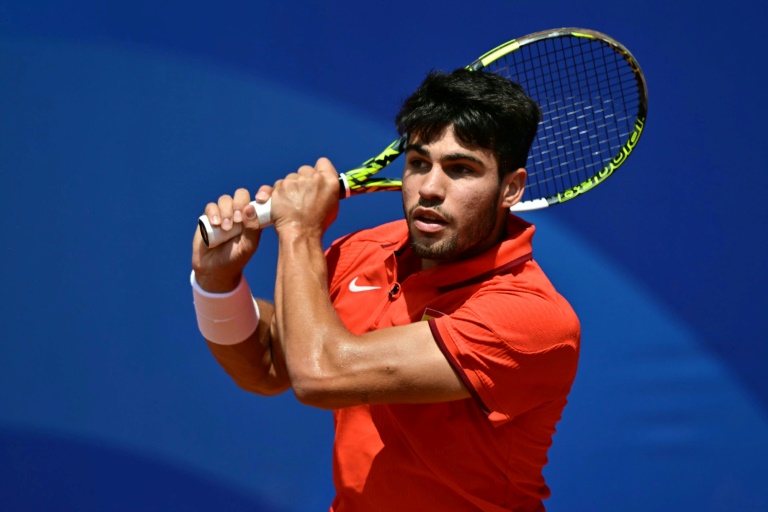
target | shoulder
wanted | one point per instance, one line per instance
(521, 309)
(527, 310)
(516, 342)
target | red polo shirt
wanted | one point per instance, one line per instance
(512, 339)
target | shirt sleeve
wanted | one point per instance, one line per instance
(513, 350)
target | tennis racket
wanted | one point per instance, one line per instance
(593, 99)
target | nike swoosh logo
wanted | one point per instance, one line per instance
(353, 287)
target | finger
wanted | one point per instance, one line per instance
(251, 233)
(328, 172)
(264, 193)
(306, 170)
(325, 166)
(250, 214)
(212, 212)
(226, 211)
(240, 201)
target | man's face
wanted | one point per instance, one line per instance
(452, 198)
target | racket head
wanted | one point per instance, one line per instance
(593, 99)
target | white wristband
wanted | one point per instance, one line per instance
(225, 318)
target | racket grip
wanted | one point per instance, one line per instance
(214, 235)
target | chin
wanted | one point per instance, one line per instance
(433, 248)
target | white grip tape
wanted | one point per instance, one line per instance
(225, 318)
(217, 236)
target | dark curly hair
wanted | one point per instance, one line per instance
(485, 109)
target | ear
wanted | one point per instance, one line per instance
(512, 188)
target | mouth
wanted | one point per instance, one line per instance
(427, 220)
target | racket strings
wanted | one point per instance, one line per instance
(589, 97)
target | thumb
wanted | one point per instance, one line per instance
(257, 214)
(324, 166)
(249, 239)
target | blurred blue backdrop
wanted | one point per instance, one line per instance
(120, 120)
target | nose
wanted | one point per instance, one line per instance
(433, 184)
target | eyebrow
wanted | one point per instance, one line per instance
(451, 157)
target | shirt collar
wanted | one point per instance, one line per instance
(499, 259)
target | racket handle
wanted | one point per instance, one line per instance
(214, 235)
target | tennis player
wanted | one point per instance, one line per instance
(442, 348)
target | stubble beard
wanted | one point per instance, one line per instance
(481, 225)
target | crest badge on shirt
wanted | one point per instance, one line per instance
(429, 314)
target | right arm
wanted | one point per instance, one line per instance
(255, 363)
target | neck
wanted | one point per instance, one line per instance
(498, 235)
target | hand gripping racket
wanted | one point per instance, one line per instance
(593, 99)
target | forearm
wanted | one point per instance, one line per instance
(238, 332)
(309, 330)
(256, 364)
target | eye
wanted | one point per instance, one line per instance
(418, 164)
(462, 169)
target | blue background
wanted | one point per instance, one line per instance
(120, 120)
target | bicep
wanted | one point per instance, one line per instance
(401, 364)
